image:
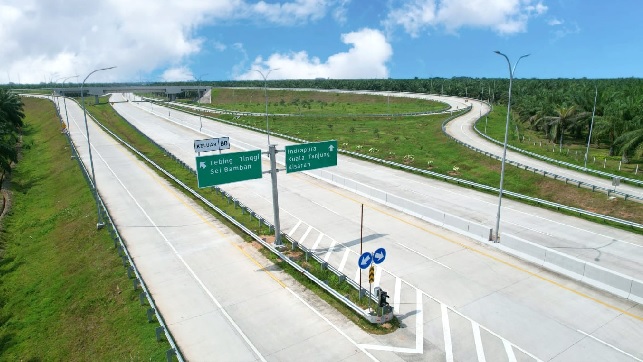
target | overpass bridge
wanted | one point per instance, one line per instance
(171, 90)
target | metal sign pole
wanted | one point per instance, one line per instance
(361, 233)
(272, 151)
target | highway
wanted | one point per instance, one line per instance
(459, 299)
(217, 294)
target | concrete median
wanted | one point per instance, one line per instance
(609, 280)
(636, 293)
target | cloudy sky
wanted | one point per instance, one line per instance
(163, 40)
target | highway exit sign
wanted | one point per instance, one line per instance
(228, 167)
(309, 156)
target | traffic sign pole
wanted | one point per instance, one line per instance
(272, 152)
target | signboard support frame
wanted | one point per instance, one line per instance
(272, 153)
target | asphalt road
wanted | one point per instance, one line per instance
(458, 299)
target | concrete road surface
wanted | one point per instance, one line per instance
(219, 297)
(458, 299)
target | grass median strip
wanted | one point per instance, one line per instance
(105, 114)
(64, 294)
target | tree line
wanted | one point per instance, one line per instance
(11, 123)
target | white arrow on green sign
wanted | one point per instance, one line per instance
(228, 167)
(309, 156)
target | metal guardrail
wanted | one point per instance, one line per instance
(450, 178)
(249, 232)
(555, 176)
(552, 160)
(128, 262)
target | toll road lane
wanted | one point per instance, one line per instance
(500, 294)
(214, 291)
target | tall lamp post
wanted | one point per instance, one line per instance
(591, 126)
(272, 152)
(100, 222)
(65, 102)
(504, 149)
(265, 95)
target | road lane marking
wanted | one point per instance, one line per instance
(344, 259)
(419, 322)
(330, 250)
(446, 331)
(485, 254)
(294, 228)
(419, 333)
(316, 244)
(303, 237)
(478, 341)
(334, 326)
(510, 352)
(424, 256)
(185, 264)
(611, 346)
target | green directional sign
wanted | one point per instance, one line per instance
(309, 156)
(228, 167)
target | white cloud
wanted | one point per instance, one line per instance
(366, 58)
(502, 16)
(177, 74)
(43, 39)
(218, 46)
(554, 22)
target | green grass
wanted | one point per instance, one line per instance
(107, 116)
(418, 141)
(573, 151)
(64, 294)
(317, 103)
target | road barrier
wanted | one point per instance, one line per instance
(595, 275)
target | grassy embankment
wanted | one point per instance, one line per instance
(573, 151)
(64, 294)
(418, 141)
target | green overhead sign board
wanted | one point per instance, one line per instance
(228, 167)
(309, 156)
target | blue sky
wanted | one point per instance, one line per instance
(157, 40)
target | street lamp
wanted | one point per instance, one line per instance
(65, 102)
(591, 126)
(100, 222)
(504, 149)
(265, 94)
(198, 83)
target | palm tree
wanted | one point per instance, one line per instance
(11, 115)
(555, 126)
(630, 144)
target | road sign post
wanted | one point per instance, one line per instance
(310, 156)
(228, 167)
